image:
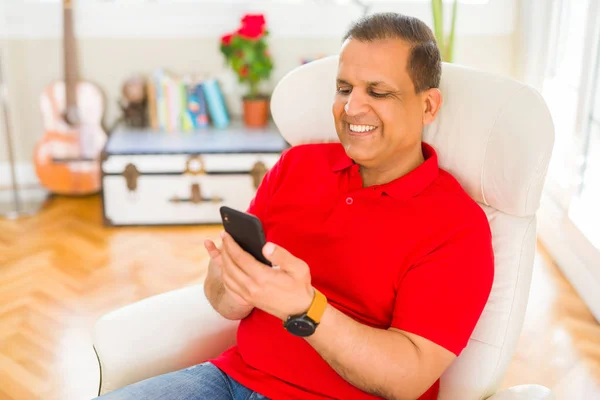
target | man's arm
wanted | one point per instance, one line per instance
(441, 297)
(389, 363)
(225, 303)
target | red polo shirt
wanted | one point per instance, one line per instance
(414, 254)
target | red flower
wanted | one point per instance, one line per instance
(244, 71)
(253, 19)
(253, 26)
(226, 39)
(251, 31)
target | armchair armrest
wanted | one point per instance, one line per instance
(160, 334)
(525, 392)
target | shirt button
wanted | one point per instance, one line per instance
(349, 200)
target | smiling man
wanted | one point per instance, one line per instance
(385, 263)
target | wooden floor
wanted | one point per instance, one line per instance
(61, 269)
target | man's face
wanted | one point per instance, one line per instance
(378, 115)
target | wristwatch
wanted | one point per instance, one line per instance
(305, 324)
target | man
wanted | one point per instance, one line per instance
(384, 262)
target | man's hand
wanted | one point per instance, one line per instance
(216, 266)
(226, 303)
(281, 291)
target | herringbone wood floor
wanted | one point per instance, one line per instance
(61, 269)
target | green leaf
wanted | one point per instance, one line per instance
(437, 9)
(450, 44)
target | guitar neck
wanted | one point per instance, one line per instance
(70, 56)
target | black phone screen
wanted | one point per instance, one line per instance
(246, 230)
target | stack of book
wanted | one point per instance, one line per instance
(185, 104)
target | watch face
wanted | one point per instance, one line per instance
(300, 327)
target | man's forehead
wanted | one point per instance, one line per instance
(378, 61)
(379, 48)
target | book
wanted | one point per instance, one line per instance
(161, 103)
(187, 124)
(186, 103)
(216, 103)
(153, 116)
(197, 109)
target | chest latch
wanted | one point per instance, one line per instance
(258, 172)
(131, 175)
(194, 166)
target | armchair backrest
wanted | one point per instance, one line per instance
(495, 136)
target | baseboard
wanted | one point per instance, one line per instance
(25, 173)
(578, 260)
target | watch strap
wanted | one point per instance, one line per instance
(317, 307)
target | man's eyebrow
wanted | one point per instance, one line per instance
(369, 84)
(381, 83)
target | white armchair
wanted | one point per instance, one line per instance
(494, 134)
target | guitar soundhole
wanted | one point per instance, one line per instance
(71, 117)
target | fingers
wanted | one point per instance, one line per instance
(233, 277)
(234, 289)
(249, 264)
(284, 259)
(212, 249)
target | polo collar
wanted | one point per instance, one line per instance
(341, 160)
(407, 186)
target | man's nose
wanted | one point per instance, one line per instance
(356, 104)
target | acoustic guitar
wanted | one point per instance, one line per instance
(67, 158)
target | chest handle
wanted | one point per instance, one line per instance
(196, 196)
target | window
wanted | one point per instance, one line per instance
(586, 197)
(561, 52)
(571, 87)
(561, 90)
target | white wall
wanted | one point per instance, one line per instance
(184, 18)
(119, 37)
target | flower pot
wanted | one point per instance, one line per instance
(256, 112)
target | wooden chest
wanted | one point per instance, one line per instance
(152, 178)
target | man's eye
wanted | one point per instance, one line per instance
(343, 91)
(375, 94)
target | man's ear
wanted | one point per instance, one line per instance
(432, 101)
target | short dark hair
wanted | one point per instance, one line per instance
(424, 64)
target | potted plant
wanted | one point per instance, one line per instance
(247, 53)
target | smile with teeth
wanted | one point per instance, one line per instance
(361, 128)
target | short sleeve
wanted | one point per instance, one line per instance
(442, 296)
(260, 201)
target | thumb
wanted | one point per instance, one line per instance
(282, 258)
(212, 249)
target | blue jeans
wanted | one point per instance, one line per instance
(202, 381)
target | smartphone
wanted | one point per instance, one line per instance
(246, 230)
